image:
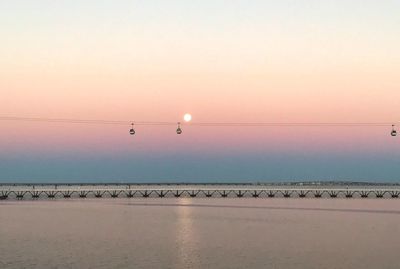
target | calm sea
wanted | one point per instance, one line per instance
(200, 233)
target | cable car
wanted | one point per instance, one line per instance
(394, 132)
(179, 130)
(132, 131)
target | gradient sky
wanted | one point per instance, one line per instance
(229, 61)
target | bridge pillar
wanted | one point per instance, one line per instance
(193, 194)
(209, 194)
(114, 194)
(4, 195)
(333, 194)
(239, 194)
(20, 195)
(129, 194)
(35, 194)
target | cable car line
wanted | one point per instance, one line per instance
(211, 124)
(83, 121)
(204, 124)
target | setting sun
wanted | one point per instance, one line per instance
(187, 117)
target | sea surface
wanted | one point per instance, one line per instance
(200, 233)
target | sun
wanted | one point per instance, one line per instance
(187, 117)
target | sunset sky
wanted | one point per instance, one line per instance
(221, 61)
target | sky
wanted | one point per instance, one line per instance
(221, 61)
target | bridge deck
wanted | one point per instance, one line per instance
(217, 191)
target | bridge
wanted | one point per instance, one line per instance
(28, 192)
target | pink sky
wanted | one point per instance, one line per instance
(248, 62)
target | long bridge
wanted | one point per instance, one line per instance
(46, 191)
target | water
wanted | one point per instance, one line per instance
(200, 233)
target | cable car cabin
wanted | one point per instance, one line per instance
(132, 130)
(179, 130)
(394, 132)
